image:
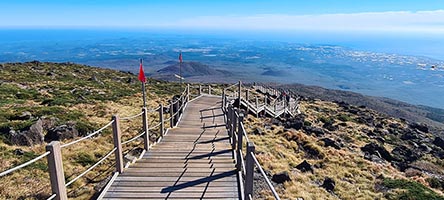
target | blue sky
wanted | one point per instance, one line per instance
(353, 15)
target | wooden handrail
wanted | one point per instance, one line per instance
(236, 132)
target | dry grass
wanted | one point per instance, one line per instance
(32, 182)
(280, 150)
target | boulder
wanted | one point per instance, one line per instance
(375, 149)
(400, 166)
(281, 177)
(28, 137)
(329, 126)
(276, 122)
(330, 143)
(420, 127)
(368, 120)
(343, 104)
(328, 184)
(294, 124)
(373, 158)
(49, 123)
(439, 142)
(62, 132)
(404, 154)
(424, 148)
(258, 131)
(19, 152)
(411, 135)
(304, 166)
(314, 130)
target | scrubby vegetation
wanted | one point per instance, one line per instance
(64, 94)
(361, 153)
(364, 153)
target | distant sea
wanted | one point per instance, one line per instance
(120, 49)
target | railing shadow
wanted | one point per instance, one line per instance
(198, 181)
(214, 140)
(209, 154)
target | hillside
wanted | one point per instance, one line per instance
(332, 150)
(339, 151)
(41, 102)
(434, 117)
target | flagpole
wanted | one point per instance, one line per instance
(180, 71)
(143, 87)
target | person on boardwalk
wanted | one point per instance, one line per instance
(288, 98)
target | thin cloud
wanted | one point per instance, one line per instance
(421, 21)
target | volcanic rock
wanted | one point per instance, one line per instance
(375, 149)
(28, 137)
(330, 143)
(281, 177)
(304, 166)
(62, 132)
(329, 184)
(439, 142)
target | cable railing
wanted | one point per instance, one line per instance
(54, 154)
(24, 164)
(176, 108)
(88, 136)
(245, 166)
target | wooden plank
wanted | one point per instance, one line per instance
(161, 165)
(170, 169)
(179, 189)
(172, 183)
(189, 163)
(187, 179)
(187, 195)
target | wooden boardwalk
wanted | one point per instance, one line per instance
(193, 161)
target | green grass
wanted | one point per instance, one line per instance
(85, 159)
(326, 120)
(344, 118)
(411, 190)
(434, 182)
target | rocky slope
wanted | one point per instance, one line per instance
(332, 150)
(434, 117)
(337, 150)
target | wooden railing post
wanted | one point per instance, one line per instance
(188, 92)
(230, 120)
(239, 94)
(162, 124)
(240, 133)
(234, 139)
(171, 114)
(181, 106)
(55, 168)
(118, 143)
(247, 94)
(249, 167)
(176, 111)
(209, 89)
(223, 99)
(200, 89)
(257, 107)
(146, 136)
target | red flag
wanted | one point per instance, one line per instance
(141, 73)
(180, 57)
